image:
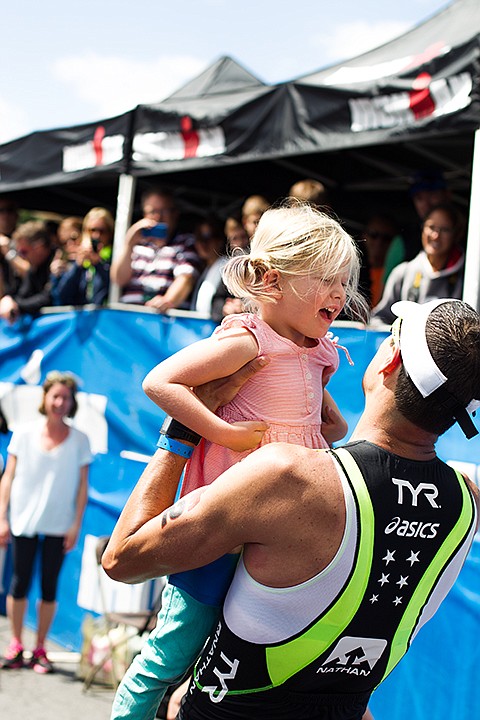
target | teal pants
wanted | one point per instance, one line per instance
(183, 626)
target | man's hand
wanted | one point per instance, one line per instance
(8, 309)
(219, 392)
(4, 244)
(135, 235)
(233, 306)
(159, 303)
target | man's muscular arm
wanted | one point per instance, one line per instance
(154, 492)
(281, 502)
(153, 537)
(135, 531)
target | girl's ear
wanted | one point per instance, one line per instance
(271, 280)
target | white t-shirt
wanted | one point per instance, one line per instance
(44, 489)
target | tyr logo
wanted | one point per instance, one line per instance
(428, 489)
(217, 695)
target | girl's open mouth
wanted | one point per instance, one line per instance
(327, 313)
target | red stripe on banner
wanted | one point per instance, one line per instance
(190, 137)
(98, 136)
(421, 102)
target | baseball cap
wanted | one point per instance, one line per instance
(418, 362)
(427, 180)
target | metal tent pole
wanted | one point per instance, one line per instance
(123, 220)
(471, 286)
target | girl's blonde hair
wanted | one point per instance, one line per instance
(64, 378)
(297, 240)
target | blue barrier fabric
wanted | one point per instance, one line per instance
(111, 351)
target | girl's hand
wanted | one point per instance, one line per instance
(245, 435)
(4, 533)
(334, 426)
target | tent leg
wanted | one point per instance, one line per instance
(471, 287)
(123, 220)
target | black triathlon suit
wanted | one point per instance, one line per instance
(316, 651)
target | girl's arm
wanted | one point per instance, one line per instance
(5, 491)
(334, 425)
(72, 533)
(170, 385)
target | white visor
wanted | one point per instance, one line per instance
(418, 361)
(416, 357)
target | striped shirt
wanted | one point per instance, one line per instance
(154, 268)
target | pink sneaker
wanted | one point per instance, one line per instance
(39, 662)
(13, 657)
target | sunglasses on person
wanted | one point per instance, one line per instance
(99, 230)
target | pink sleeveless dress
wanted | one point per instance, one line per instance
(287, 394)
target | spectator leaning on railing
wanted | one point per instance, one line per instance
(33, 242)
(157, 267)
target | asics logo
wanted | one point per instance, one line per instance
(412, 528)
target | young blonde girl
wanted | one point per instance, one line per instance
(300, 272)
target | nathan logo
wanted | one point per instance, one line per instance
(427, 98)
(412, 528)
(410, 495)
(354, 656)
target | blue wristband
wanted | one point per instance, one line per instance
(174, 446)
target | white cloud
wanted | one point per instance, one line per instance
(351, 39)
(112, 85)
(13, 121)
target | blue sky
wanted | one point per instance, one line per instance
(68, 63)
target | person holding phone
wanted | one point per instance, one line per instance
(87, 279)
(157, 266)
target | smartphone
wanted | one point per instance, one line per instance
(159, 231)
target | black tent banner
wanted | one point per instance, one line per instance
(362, 127)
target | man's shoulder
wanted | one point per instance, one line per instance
(285, 462)
(288, 452)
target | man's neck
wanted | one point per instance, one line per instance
(393, 433)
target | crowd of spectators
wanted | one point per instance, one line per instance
(165, 263)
